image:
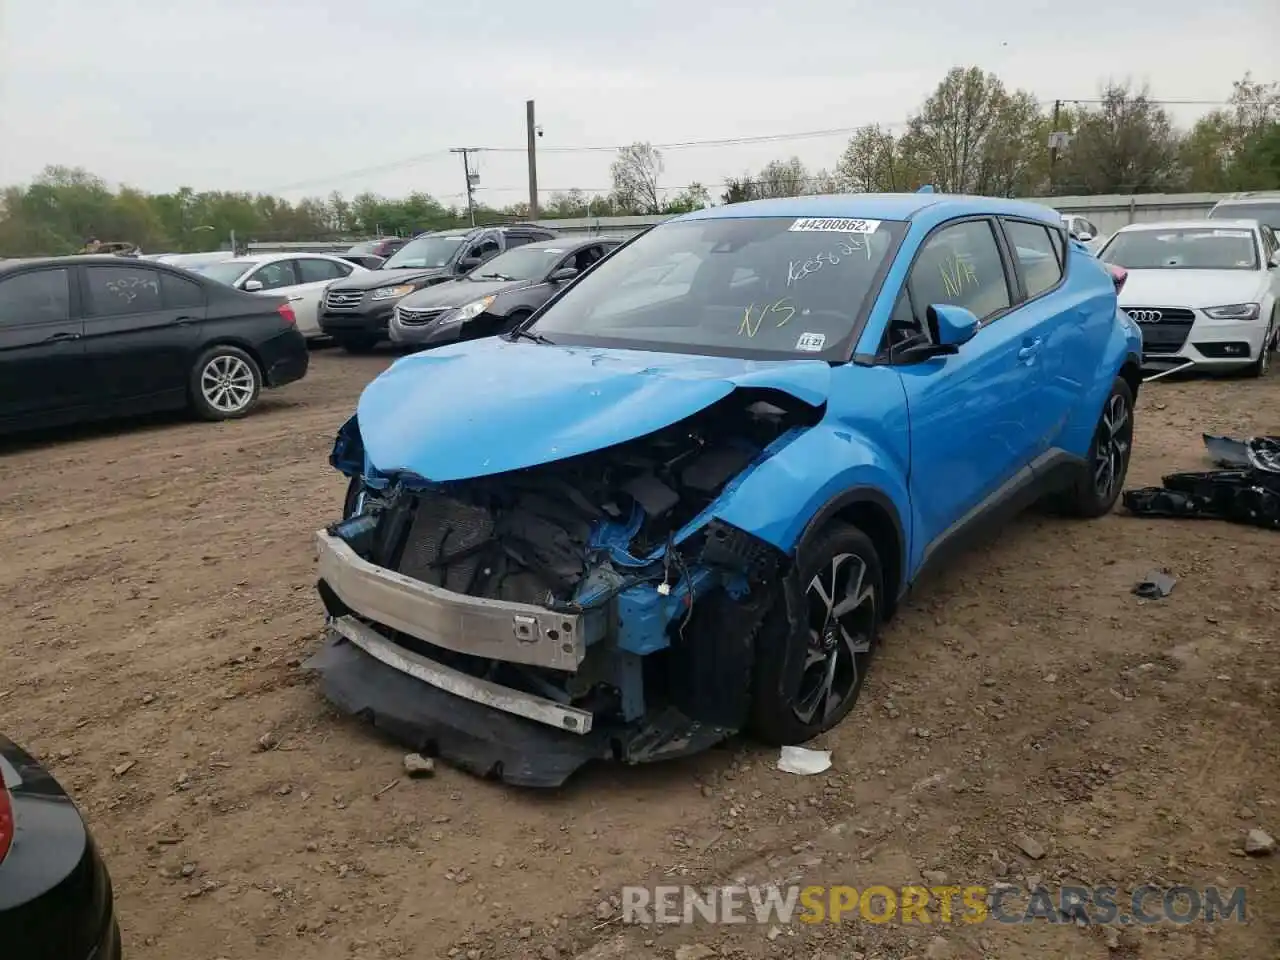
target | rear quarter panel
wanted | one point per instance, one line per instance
(1093, 353)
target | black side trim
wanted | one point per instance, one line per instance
(1048, 473)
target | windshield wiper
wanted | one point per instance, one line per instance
(519, 332)
(493, 276)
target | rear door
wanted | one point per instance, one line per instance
(1070, 330)
(42, 351)
(314, 276)
(969, 411)
(141, 328)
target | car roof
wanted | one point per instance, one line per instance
(99, 259)
(878, 206)
(1242, 224)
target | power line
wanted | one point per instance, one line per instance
(694, 144)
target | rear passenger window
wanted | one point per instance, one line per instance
(120, 291)
(314, 270)
(960, 265)
(1036, 254)
(39, 296)
(179, 292)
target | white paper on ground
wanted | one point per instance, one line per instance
(804, 762)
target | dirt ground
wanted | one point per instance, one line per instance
(157, 580)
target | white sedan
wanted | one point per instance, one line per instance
(302, 277)
(1206, 294)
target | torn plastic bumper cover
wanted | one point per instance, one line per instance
(1246, 490)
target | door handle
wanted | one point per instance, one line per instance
(183, 321)
(1029, 351)
(59, 337)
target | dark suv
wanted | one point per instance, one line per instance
(355, 311)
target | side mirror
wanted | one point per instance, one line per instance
(952, 325)
(252, 286)
(468, 263)
(1275, 260)
(1084, 236)
(563, 274)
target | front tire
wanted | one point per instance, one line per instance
(225, 383)
(1260, 366)
(1101, 481)
(810, 666)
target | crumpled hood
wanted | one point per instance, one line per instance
(489, 406)
(1193, 289)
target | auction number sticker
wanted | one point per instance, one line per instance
(811, 342)
(833, 225)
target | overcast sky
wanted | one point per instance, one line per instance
(303, 97)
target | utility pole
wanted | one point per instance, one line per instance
(472, 179)
(1054, 140)
(531, 133)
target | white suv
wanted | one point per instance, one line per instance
(1206, 294)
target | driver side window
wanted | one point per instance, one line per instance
(960, 265)
(486, 249)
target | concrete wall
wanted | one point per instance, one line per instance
(1107, 213)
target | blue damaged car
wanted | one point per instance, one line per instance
(680, 500)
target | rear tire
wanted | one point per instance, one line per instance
(359, 343)
(808, 673)
(1100, 483)
(225, 383)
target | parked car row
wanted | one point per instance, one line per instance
(356, 312)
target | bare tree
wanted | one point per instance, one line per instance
(782, 178)
(635, 175)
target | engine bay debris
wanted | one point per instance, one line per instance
(1245, 489)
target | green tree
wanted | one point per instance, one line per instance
(1126, 144)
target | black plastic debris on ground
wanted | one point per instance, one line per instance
(1155, 585)
(1246, 490)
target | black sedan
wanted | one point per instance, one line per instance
(55, 894)
(89, 337)
(497, 296)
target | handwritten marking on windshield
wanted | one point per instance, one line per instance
(749, 327)
(957, 276)
(797, 270)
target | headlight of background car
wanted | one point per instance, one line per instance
(1234, 311)
(387, 293)
(469, 312)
